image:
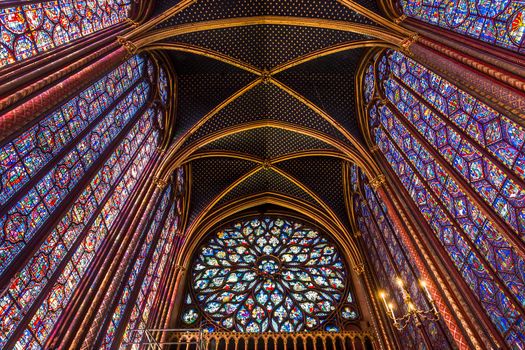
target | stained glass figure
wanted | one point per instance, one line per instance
(21, 218)
(497, 22)
(38, 27)
(158, 267)
(85, 227)
(268, 274)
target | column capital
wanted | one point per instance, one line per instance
(359, 268)
(130, 47)
(132, 22)
(374, 149)
(378, 181)
(160, 183)
(400, 19)
(180, 268)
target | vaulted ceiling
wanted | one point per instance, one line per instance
(266, 98)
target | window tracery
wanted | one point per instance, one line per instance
(35, 28)
(442, 143)
(269, 274)
(497, 22)
(103, 140)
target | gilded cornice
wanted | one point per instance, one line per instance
(386, 23)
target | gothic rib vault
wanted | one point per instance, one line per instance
(266, 101)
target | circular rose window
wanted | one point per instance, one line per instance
(267, 274)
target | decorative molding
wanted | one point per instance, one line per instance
(130, 47)
(374, 149)
(160, 183)
(378, 181)
(400, 19)
(387, 35)
(132, 22)
(359, 268)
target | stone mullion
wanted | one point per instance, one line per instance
(19, 116)
(125, 271)
(168, 291)
(500, 225)
(392, 341)
(23, 78)
(369, 279)
(392, 288)
(453, 222)
(115, 271)
(39, 174)
(119, 332)
(169, 317)
(481, 50)
(72, 312)
(402, 247)
(41, 234)
(164, 289)
(76, 308)
(504, 98)
(444, 289)
(445, 119)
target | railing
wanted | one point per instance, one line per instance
(195, 339)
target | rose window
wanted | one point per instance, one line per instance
(268, 274)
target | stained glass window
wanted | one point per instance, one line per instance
(81, 231)
(144, 303)
(139, 263)
(268, 274)
(163, 86)
(497, 22)
(78, 166)
(38, 27)
(59, 159)
(390, 259)
(450, 152)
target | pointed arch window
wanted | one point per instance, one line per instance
(390, 259)
(269, 274)
(497, 22)
(148, 298)
(37, 27)
(460, 163)
(74, 170)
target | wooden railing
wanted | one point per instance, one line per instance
(178, 339)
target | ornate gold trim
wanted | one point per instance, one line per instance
(355, 6)
(170, 164)
(183, 4)
(225, 154)
(329, 51)
(175, 147)
(387, 35)
(130, 47)
(201, 51)
(331, 120)
(160, 183)
(359, 268)
(377, 182)
(199, 229)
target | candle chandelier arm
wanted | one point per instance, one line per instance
(413, 312)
